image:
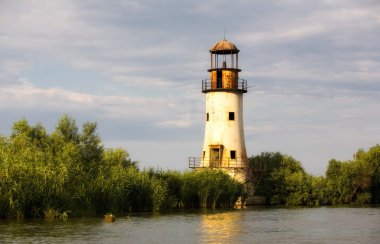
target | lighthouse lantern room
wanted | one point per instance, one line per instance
(224, 144)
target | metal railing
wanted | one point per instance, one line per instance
(240, 85)
(200, 162)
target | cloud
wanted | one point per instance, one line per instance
(315, 68)
(184, 121)
(10, 70)
(286, 34)
(127, 108)
(77, 37)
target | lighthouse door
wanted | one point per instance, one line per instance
(214, 157)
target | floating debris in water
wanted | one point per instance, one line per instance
(109, 218)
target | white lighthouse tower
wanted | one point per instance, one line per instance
(224, 144)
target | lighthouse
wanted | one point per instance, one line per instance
(224, 144)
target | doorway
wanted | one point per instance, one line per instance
(214, 157)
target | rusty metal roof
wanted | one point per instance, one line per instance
(224, 47)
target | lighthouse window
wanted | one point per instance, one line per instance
(233, 154)
(207, 117)
(219, 83)
(231, 116)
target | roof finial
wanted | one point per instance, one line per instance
(224, 34)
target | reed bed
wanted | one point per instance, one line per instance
(69, 173)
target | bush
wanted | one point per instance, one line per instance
(70, 173)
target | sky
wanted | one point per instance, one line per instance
(135, 67)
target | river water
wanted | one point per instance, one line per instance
(251, 225)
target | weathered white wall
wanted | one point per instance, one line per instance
(220, 130)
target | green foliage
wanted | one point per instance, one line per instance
(372, 160)
(70, 173)
(282, 180)
(355, 181)
(174, 181)
(210, 188)
(262, 167)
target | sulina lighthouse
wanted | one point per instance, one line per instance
(224, 144)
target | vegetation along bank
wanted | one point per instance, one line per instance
(69, 173)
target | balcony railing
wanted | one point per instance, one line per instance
(200, 162)
(239, 85)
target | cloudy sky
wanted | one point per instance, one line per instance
(135, 67)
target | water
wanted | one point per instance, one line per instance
(252, 225)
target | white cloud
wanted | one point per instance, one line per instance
(127, 108)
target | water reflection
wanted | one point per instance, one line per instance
(48, 230)
(272, 225)
(221, 227)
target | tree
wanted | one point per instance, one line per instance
(261, 169)
(372, 158)
(283, 181)
(67, 130)
(91, 149)
(350, 181)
